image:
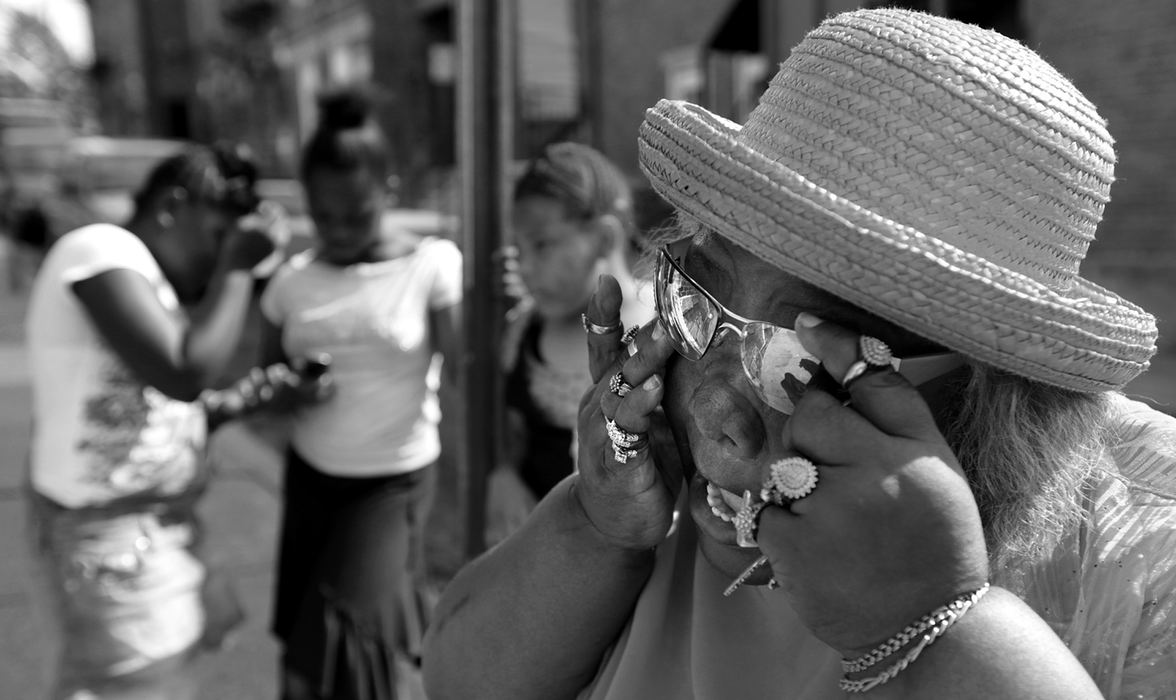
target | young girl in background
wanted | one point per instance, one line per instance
(381, 302)
(573, 221)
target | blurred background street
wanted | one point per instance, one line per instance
(93, 93)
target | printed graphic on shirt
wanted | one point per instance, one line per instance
(135, 439)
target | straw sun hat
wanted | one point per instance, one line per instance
(937, 174)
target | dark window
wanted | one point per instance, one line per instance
(1003, 16)
(921, 5)
(179, 124)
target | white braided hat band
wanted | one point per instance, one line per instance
(932, 172)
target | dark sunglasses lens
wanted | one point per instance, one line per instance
(687, 312)
(773, 358)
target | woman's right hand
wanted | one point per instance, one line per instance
(307, 384)
(257, 238)
(630, 504)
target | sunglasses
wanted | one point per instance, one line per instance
(772, 356)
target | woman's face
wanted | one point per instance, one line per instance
(557, 256)
(726, 435)
(201, 228)
(346, 206)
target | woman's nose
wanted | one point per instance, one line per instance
(723, 413)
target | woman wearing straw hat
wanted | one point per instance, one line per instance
(903, 465)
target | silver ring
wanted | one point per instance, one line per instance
(790, 479)
(873, 354)
(595, 329)
(623, 454)
(629, 335)
(746, 521)
(855, 372)
(874, 351)
(620, 437)
(619, 386)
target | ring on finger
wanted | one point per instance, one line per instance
(623, 454)
(873, 354)
(596, 329)
(620, 437)
(789, 479)
(746, 521)
(619, 386)
(627, 338)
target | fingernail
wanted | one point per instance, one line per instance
(652, 383)
(658, 333)
(806, 320)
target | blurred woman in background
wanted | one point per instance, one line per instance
(382, 302)
(573, 222)
(117, 461)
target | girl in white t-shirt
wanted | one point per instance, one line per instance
(360, 467)
(116, 460)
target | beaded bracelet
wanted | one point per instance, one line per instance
(248, 394)
(931, 626)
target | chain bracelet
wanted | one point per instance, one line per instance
(946, 613)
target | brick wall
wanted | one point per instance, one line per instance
(1122, 55)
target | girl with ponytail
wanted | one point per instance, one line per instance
(384, 304)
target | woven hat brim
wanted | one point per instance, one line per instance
(1084, 337)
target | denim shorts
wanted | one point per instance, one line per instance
(124, 588)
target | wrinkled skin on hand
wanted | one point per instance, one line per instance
(632, 504)
(892, 530)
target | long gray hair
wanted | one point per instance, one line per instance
(1031, 452)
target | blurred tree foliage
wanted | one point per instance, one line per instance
(241, 92)
(35, 64)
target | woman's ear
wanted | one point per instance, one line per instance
(172, 199)
(170, 202)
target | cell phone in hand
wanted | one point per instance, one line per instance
(316, 366)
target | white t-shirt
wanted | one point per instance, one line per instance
(99, 433)
(373, 319)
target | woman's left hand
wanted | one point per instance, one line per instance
(271, 221)
(892, 529)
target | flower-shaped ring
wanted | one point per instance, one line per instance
(791, 479)
(873, 354)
